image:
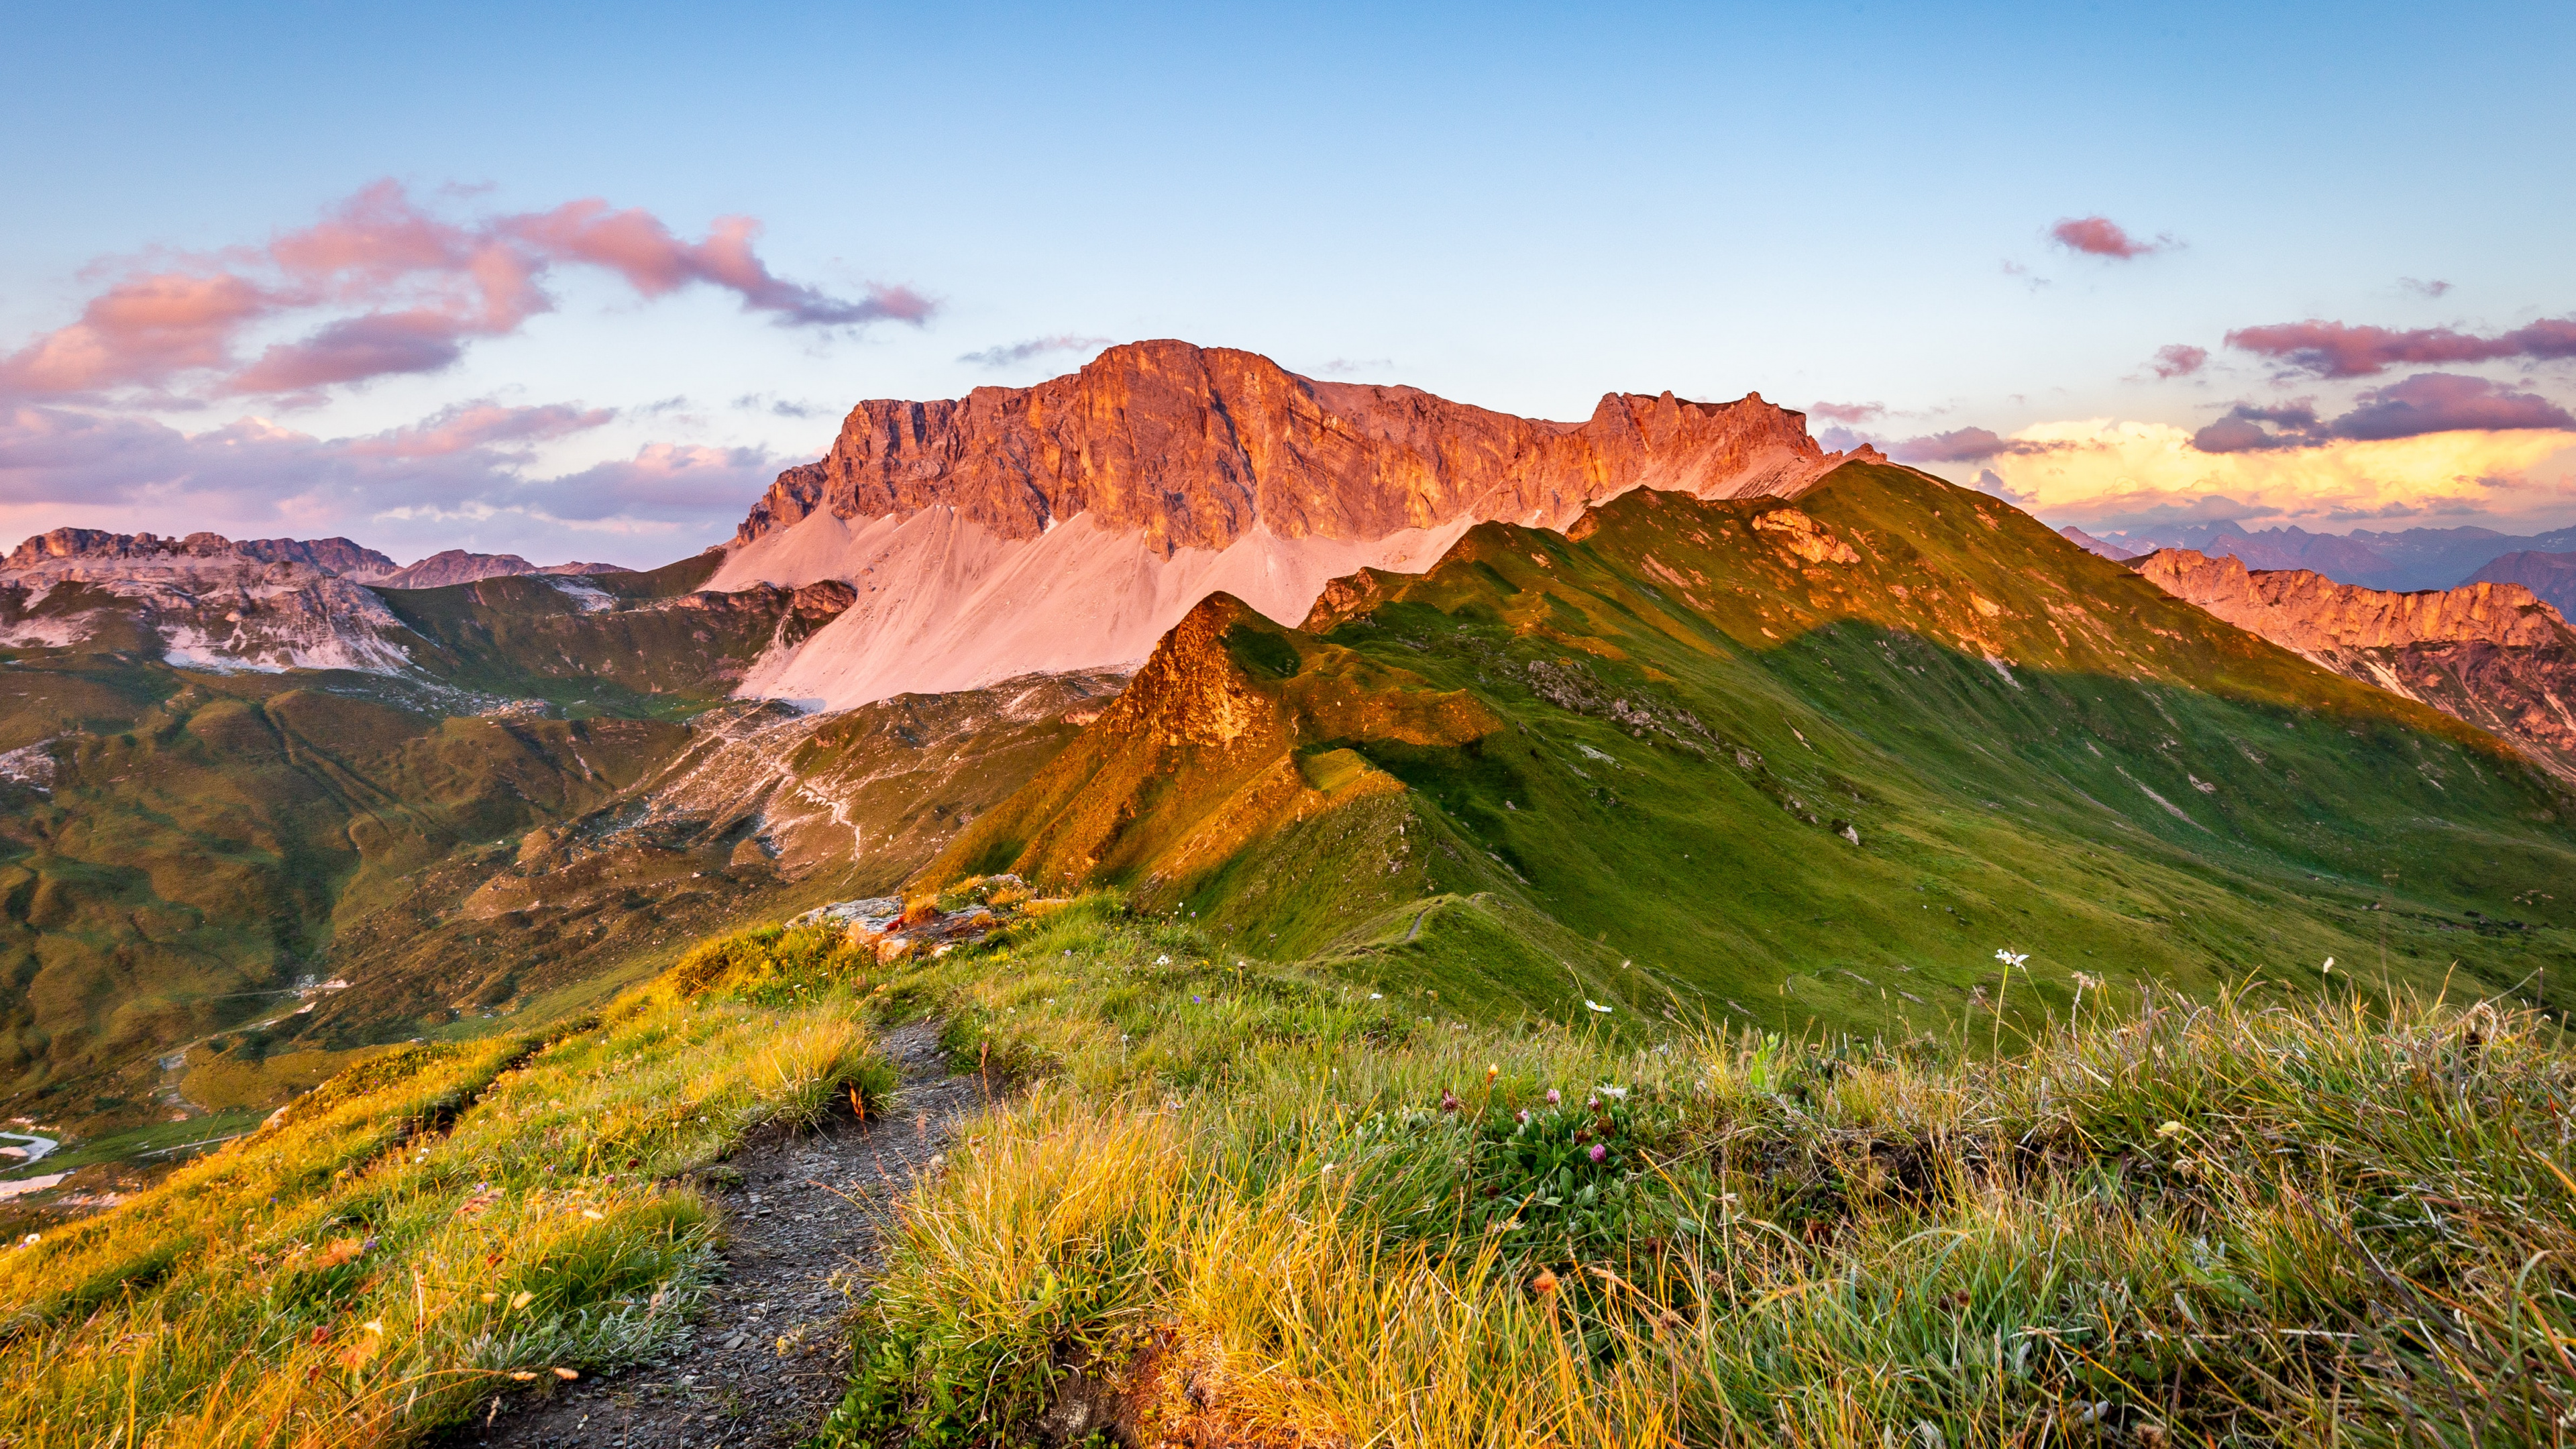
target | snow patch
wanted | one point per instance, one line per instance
(32, 766)
(590, 598)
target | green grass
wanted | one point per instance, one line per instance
(427, 1230)
(207, 839)
(1252, 1204)
(1629, 757)
(1219, 1199)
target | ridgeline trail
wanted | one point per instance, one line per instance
(767, 1357)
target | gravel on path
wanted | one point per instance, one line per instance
(767, 1358)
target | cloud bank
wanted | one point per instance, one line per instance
(413, 289)
(457, 478)
(2336, 349)
(2428, 402)
(2102, 474)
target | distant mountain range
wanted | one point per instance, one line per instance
(1670, 699)
(2415, 558)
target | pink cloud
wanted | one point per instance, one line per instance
(2099, 236)
(2444, 402)
(422, 286)
(2335, 349)
(456, 478)
(480, 425)
(2428, 402)
(2178, 360)
(636, 245)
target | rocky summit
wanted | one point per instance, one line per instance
(2491, 653)
(1069, 524)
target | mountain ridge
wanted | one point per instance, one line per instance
(2491, 653)
(1070, 524)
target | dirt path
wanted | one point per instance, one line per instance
(797, 1255)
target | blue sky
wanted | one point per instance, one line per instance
(1515, 206)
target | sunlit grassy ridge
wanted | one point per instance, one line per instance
(423, 1231)
(1256, 1206)
(1686, 749)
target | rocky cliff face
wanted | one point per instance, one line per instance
(209, 602)
(1068, 525)
(2310, 613)
(1192, 446)
(2491, 653)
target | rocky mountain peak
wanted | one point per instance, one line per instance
(78, 547)
(1195, 447)
(2306, 611)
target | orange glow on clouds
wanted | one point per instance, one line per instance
(2123, 474)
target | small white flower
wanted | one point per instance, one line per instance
(1614, 1093)
(1374, 996)
(2329, 965)
(1593, 1005)
(1162, 960)
(2012, 958)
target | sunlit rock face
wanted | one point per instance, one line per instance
(2491, 653)
(1068, 525)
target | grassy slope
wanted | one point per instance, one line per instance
(2037, 750)
(1240, 1203)
(206, 836)
(432, 1227)
(664, 653)
(1249, 1204)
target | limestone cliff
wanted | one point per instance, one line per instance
(2491, 653)
(1192, 446)
(1070, 524)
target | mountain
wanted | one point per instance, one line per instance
(1068, 525)
(267, 604)
(96, 549)
(2489, 653)
(2092, 545)
(255, 808)
(456, 566)
(2551, 576)
(2404, 561)
(1786, 761)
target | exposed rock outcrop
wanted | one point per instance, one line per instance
(1192, 446)
(2310, 613)
(210, 603)
(2491, 653)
